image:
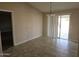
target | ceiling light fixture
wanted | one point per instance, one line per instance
(50, 7)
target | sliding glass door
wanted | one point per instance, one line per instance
(63, 26)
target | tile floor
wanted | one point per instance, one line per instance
(44, 47)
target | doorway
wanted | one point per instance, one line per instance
(63, 26)
(6, 30)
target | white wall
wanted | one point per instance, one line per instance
(45, 24)
(27, 21)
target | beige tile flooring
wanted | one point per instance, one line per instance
(44, 47)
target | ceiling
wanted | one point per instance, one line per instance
(56, 6)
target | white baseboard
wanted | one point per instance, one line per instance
(36, 37)
(20, 42)
(25, 41)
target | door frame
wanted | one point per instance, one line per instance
(12, 23)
